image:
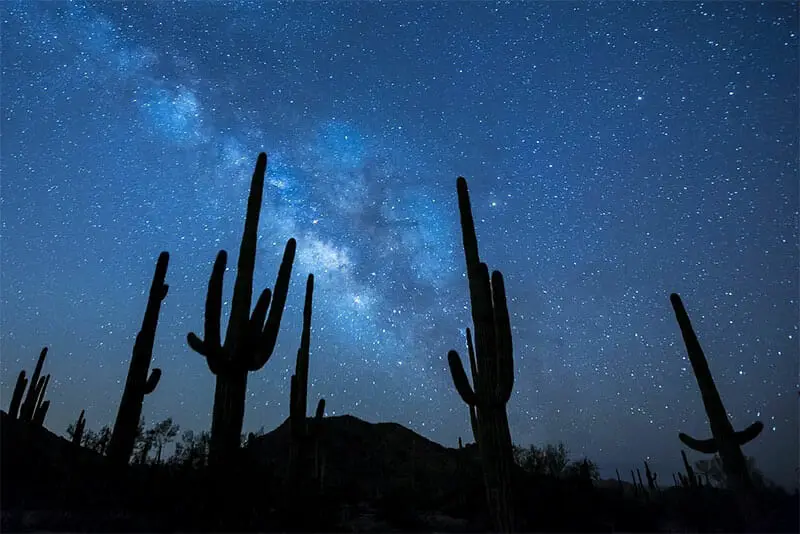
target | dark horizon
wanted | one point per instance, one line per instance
(615, 153)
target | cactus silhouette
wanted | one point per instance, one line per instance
(34, 408)
(80, 426)
(492, 368)
(16, 397)
(304, 437)
(250, 339)
(724, 439)
(137, 384)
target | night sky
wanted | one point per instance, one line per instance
(615, 153)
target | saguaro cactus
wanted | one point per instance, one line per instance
(250, 339)
(137, 385)
(304, 437)
(492, 369)
(724, 439)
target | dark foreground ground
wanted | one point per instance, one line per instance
(379, 478)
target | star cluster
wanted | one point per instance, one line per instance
(615, 152)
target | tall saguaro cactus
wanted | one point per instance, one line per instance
(250, 339)
(492, 369)
(304, 437)
(724, 439)
(137, 385)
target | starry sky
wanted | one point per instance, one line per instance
(615, 152)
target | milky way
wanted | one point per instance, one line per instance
(614, 152)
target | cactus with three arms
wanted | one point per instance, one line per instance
(250, 339)
(303, 435)
(724, 439)
(492, 367)
(34, 408)
(137, 384)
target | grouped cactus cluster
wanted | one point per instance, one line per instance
(34, 408)
(251, 337)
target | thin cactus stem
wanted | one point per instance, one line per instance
(137, 384)
(250, 338)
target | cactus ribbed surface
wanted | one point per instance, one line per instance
(492, 367)
(137, 384)
(250, 339)
(724, 439)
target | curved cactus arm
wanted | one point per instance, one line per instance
(460, 379)
(708, 446)
(269, 334)
(748, 434)
(211, 345)
(16, 397)
(152, 382)
(320, 413)
(258, 317)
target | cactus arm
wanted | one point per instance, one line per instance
(320, 413)
(269, 334)
(16, 397)
(460, 379)
(707, 446)
(749, 434)
(42, 388)
(152, 382)
(505, 352)
(211, 345)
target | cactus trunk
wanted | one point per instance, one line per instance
(137, 384)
